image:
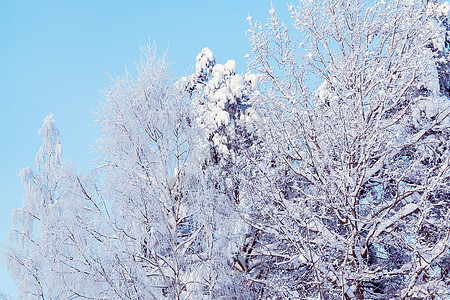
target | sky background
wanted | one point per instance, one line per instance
(55, 56)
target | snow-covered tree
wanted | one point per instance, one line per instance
(53, 228)
(352, 189)
(146, 224)
(222, 109)
(325, 174)
(33, 222)
(155, 185)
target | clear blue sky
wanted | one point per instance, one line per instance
(54, 57)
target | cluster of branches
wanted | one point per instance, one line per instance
(325, 174)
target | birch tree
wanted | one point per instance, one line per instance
(52, 230)
(143, 225)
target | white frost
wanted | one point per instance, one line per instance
(204, 60)
(253, 80)
(230, 67)
(222, 117)
(236, 85)
(444, 10)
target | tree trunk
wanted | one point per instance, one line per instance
(359, 295)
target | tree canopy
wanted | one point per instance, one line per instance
(320, 173)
